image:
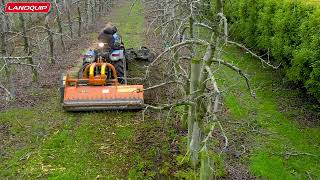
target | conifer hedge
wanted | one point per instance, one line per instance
(288, 29)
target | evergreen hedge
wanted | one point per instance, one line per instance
(288, 29)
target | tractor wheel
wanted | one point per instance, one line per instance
(120, 68)
(130, 54)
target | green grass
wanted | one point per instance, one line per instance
(132, 25)
(263, 113)
(55, 144)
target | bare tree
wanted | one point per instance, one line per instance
(179, 23)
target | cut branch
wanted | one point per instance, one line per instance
(235, 68)
(253, 54)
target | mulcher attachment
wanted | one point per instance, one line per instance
(96, 90)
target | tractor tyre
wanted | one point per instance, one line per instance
(119, 66)
(130, 54)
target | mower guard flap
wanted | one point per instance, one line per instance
(90, 98)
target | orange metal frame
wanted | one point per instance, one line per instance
(98, 80)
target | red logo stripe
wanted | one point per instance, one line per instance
(28, 7)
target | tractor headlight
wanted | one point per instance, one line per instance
(101, 44)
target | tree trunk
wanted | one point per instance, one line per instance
(27, 48)
(51, 42)
(24, 34)
(194, 73)
(3, 52)
(195, 143)
(194, 132)
(207, 162)
(92, 11)
(80, 21)
(69, 19)
(193, 113)
(6, 18)
(95, 9)
(102, 6)
(86, 9)
(99, 7)
(60, 30)
(2, 37)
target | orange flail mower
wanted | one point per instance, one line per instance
(98, 89)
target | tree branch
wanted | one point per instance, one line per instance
(253, 54)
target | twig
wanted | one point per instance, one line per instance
(253, 54)
(289, 154)
(198, 41)
(6, 90)
(25, 64)
(157, 86)
(18, 58)
(260, 132)
(226, 144)
(165, 106)
(233, 67)
(209, 134)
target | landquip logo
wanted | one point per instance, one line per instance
(27, 7)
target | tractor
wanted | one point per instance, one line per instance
(101, 83)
